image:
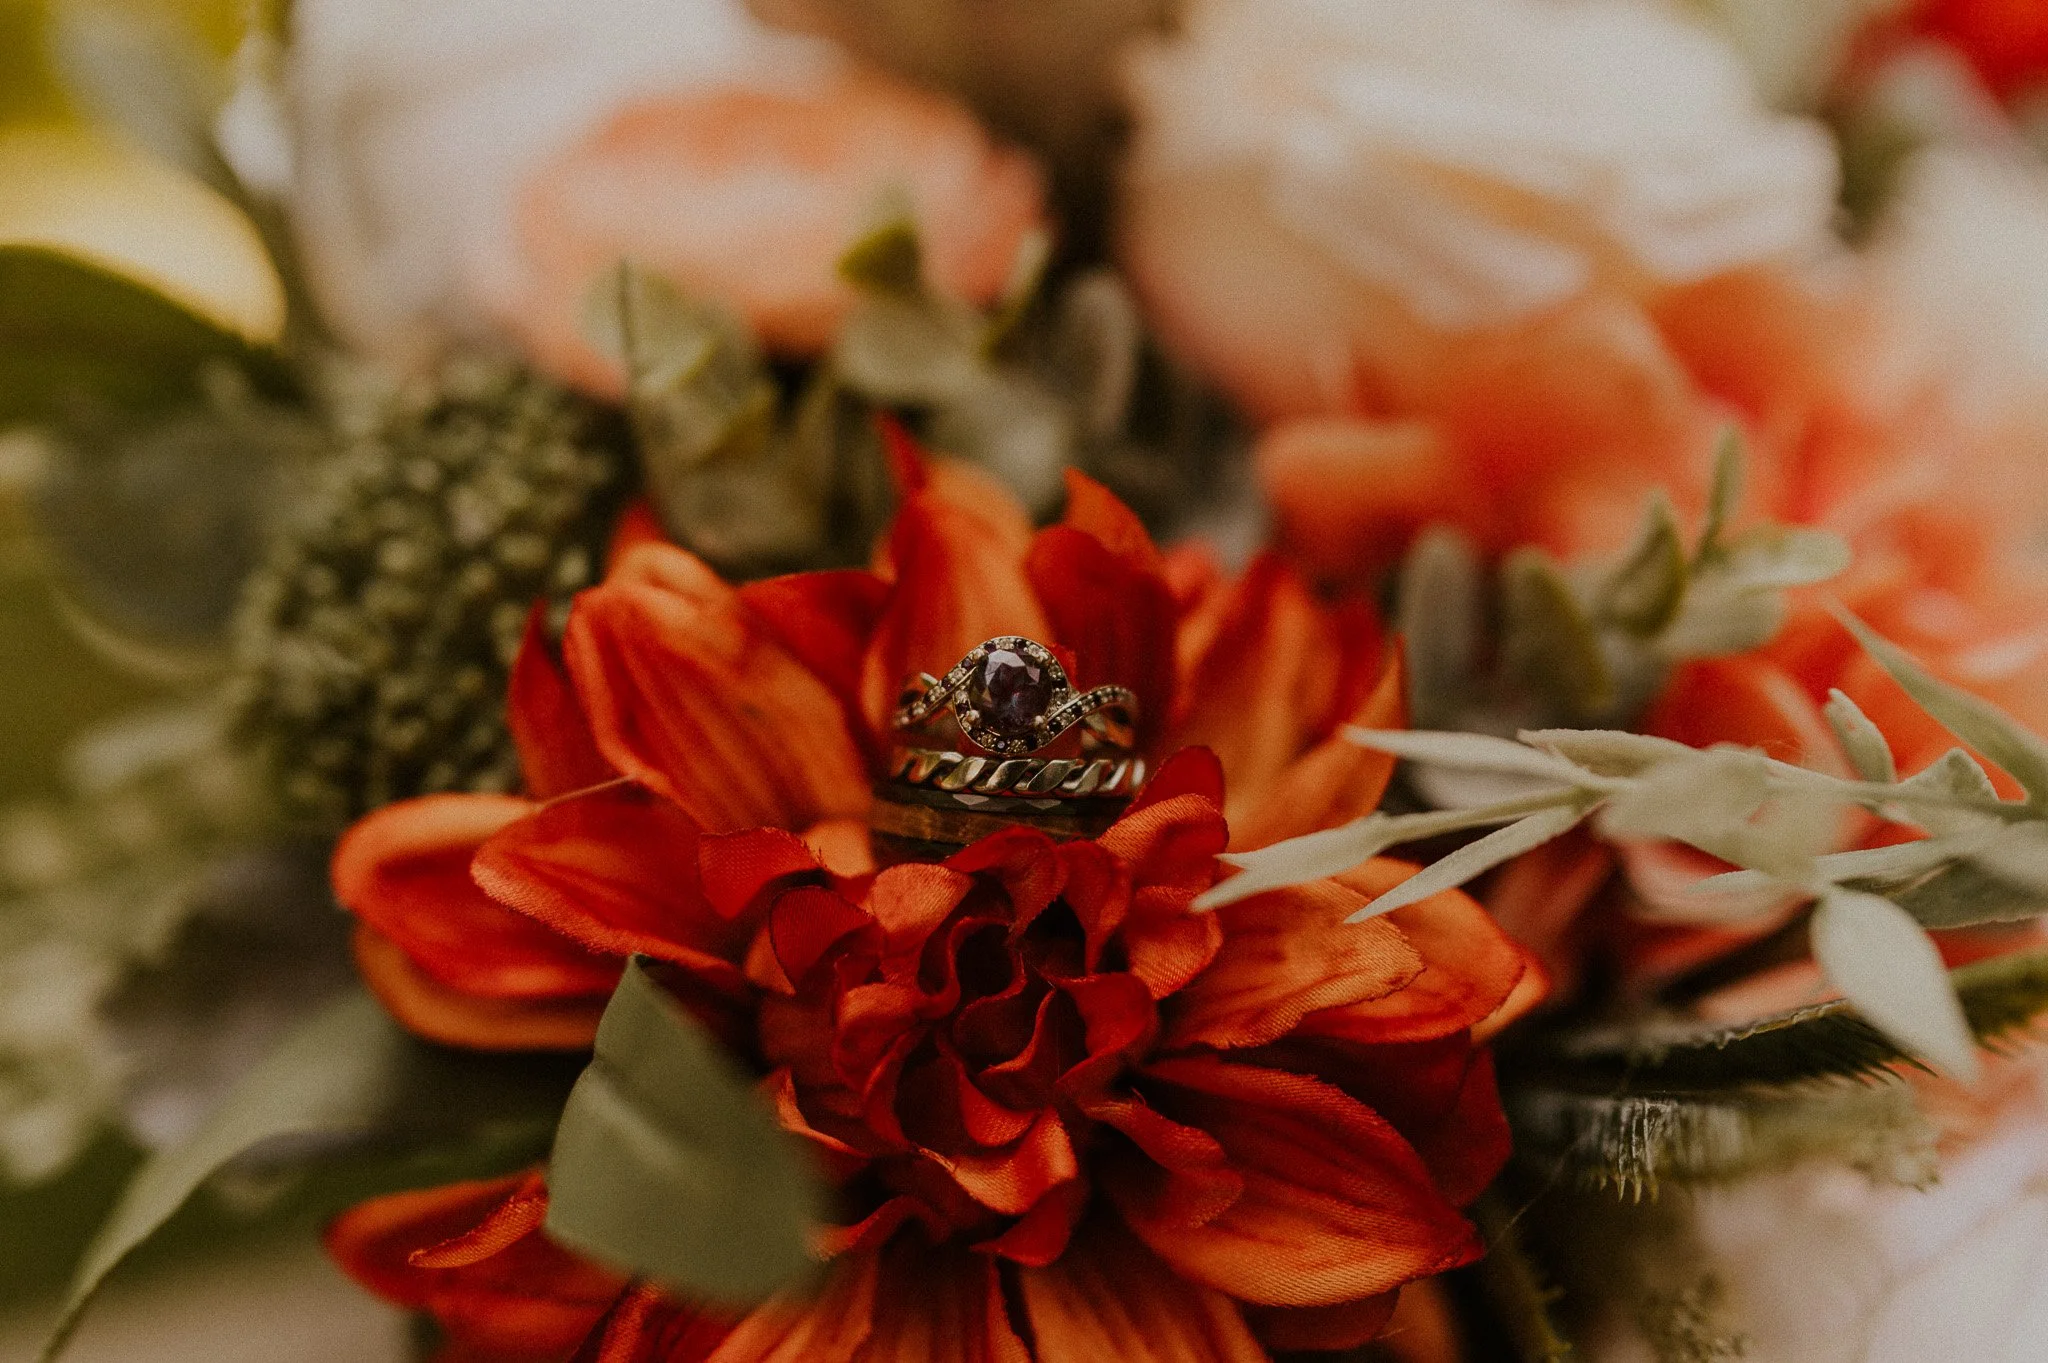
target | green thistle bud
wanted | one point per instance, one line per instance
(375, 644)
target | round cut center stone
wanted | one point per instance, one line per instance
(1010, 692)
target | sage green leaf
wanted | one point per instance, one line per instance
(1020, 291)
(1333, 851)
(1963, 894)
(1899, 864)
(888, 260)
(1548, 643)
(668, 1165)
(2018, 854)
(1517, 1289)
(1775, 557)
(1467, 752)
(1977, 722)
(910, 351)
(1644, 593)
(346, 1074)
(1474, 859)
(1095, 350)
(78, 339)
(1607, 752)
(1723, 496)
(1889, 968)
(1956, 775)
(1438, 613)
(1869, 754)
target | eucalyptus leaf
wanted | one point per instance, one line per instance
(347, 1075)
(1438, 612)
(1645, 592)
(1333, 851)
(1548, 643)
(1886, 965)
(668, 1165)
(76, 338)
(1474, 859)
(1724, 495)
(1864, 743)
(1974, 720)
(888, 260)
(1468, 752)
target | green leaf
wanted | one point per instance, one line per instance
(1775, 557)
(1517, 1289)
(1645, 592)
(1438, 614)
(347, 1074)
(888, 260)
(1607, 752)
(1333, 851)
(1474, 859)
(76, 339)
(1963, 894)
(1724, 496)
(1869, 754)
(1547, 642)
(668, 1165)
(1887, 965)
(1974, 720)
(1468, 752)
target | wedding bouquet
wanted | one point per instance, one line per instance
(1205, 681)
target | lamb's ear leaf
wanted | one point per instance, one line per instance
(1548, 642)
(1439, 610)
(1974, 720)
(1869, 754)
(668, 1165)
(2002, 998)
(1888, 966)
(1474, 859)
(346, 1075)
(1724, 496)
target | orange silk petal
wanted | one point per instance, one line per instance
(556, 751)
(1470, 967)
(1350, 493)
(1323, 1328)
(940, 1306)
(1750, 701)
(688, 695)
(831, 1327)
(426, 1007)
(1114, 614)
(1093, 508)
(1334, 782)
(1336, 1205)
(1263, 690)
(1285, 955)
(1110, 1298)
(959, 580)
(405, 871)
(528, 1299)
(614, 869)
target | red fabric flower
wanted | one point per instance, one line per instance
(1068, 1116)
(2007, 40)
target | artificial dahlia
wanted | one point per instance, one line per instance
(1063, 1111)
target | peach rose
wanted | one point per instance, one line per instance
(752, 197)
(1314, 181)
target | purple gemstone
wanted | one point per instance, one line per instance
(1010, 692)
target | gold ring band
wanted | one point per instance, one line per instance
(1044, 778)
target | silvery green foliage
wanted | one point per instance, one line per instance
(1982, 859)
(1592, 645)
(374, 645)
(93, 887)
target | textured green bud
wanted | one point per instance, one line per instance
(375, 644)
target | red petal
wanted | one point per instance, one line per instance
(1347, 1325)
(940, 1306)
(1110, 1298)
(525, 1299)
(828, 1328)
(688, 695)
(1470, 967)
(1334, 782)
(910, 901)
(959, 580)
(1042, 1234)
(637, 525)
(1012, 1180)
(616, 870)
(556, 751)
(825, 621)
(428, 1008)
(1029, 864)
(1336, 1206)
(405, 871)
(1093, 508)
(644, 1326)
(1115, 615)
(736, 868)
(1285, 955)
(1190, 771)
(805, 923)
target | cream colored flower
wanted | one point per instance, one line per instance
(1818, 1264)
(1310, 172)
(416, 123)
